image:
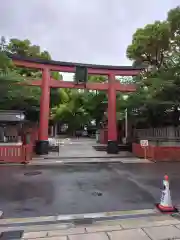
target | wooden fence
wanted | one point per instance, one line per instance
(16, 154)
(168, 133)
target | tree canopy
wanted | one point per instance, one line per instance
(157, 48)
(17, 96)
(77, 108)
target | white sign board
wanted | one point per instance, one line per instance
(144, 143)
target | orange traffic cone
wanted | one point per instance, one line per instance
(165, 205)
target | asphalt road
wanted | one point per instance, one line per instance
(29, 191)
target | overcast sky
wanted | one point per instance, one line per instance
(91, 31)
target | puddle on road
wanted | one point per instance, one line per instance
(32, 173)
(83, 221)
(24, 209)
(97, 194)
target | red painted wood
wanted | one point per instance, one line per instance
(90, 86)
(32, 83)
(100, 71)
(112, 126)
(104, 136)
(44, 106)
(29, 152)
(158, 153)
(15, 154)
(93, 86)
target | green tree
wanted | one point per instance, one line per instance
(13, 94)
(79, 108)
(71, 111)
(150, 44)
(156, 46)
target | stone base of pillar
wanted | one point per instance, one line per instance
(112, 147)
(42, 147)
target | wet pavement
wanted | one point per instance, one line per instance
(30, 191)
(72, 148)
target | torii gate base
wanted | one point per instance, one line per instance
(112, 147)
(46, 66)
(42, 147)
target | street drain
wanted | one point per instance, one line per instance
(12, 235)
(32, 173)
(83, 221)
(24, 209)
(97, 194)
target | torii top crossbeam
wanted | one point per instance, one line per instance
(70, 67)
(112, 86)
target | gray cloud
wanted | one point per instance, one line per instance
(93, 31)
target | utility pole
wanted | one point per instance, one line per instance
(126, 124)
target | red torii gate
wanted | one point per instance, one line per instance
(47, 82)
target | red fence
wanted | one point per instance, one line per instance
(16, 154)
(157, 153)
(103, 136)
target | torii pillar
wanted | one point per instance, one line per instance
(112, 146)
(42, 144)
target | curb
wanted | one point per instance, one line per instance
(45, 162)
(107, 215)
(72, 162)
(82, 162)
(77, 157)
(76, 219)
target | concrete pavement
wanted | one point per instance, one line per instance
(32, 191)
(157, 227)
(82, 151)
(81, 148)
